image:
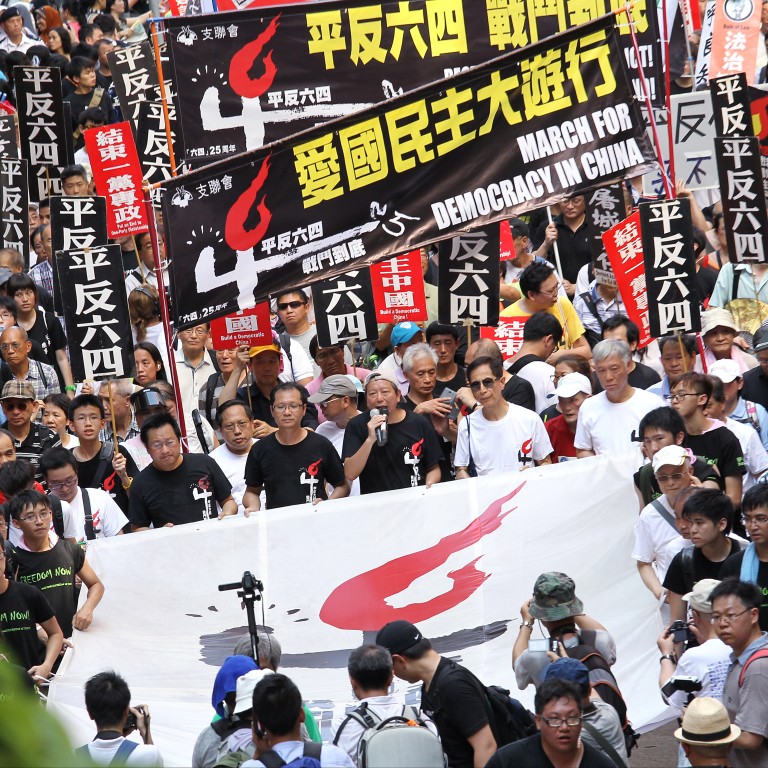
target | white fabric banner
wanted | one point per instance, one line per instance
(458, 560)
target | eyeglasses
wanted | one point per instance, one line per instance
(12, 345)
(194, 332)
(292, 304)
(158, 446)
(552, 292)
(280, 407)
(241, 425)
(673, 398)
(475, 386)
(558, 722)
(667, 478)
(727, 618)
(15, 405)
(750, 520)
(86, 419)
(324, 404)
(62, 484)
(36, 516)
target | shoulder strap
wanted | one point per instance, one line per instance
(89, 532)
(210, 386)
(592, 307)
(752, 415)
(662, 510)
(105, 461)
(686, 560)
(605, 745)
(123, 753)
(312, 749)
(270, 759)
(520, 363)
(58, 515)
(41, 372)
(285, 343)
(760, 653)
(735, 284)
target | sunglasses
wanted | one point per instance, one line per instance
(291, 304)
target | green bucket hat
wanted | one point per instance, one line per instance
(554, 597)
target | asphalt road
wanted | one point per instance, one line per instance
(656, 749)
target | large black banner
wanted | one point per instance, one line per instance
(14, 206)
(670, 266)
(468, 278)
(9, 146)
(96, 312)
(344, 308)
(249, 78)
(744, 204)
(461, 153)
(42, 127)
(76, 223)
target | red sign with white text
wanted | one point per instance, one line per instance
(249, 327)
(398, 289)
(118, 177)
(508, 334)
(624, 248)
(506, 242)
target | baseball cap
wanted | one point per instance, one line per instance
(706, 723)
(398, 636)
(725, 370)
(337, 385)
(670, 455)
(698, 597)
(273, 347)
(403, 332)
(554, 597)
(23, 390)
(567, 669)
(760, 339)
(146, 400)
(377, 376)
(245, 685)
(571, 384)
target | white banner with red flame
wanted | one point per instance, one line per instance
(458, 559)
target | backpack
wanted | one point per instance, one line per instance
(402, 741)
(686, 561)
(309, 759)
(602, 680)
(509, 720)
(118, 759)
(760, 653)
(233, 759)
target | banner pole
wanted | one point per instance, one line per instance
(648, 106)
(668, 95)
(142, 271)
(682, 351)
(700, 345)
(164, 316)
(112, 418)
(556, 249)
(163, 99)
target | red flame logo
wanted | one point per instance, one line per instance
(360, 603)
(313, 468)
(244, 60)
(526, 447)
(109, 484)
(416, 448)
(235, 233)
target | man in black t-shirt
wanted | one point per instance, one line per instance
(410, 455)
(444, 339)
(294, 464)
(710, 515)
(176, 488)
(559, 720)
(451, 696)
(21, 608)
(51, 564)
(754, 509)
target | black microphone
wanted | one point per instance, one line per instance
(381, 430)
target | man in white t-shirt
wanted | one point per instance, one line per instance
(370, 671)
(608, 421)
(94, 512)
(235, 421)
(497, 436)
(657, 538)
(108, 701)
(337, 399)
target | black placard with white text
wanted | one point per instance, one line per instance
(344, 308)
(14, 206)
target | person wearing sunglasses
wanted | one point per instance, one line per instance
(497, 436)
(293, 311)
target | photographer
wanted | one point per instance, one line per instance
(706, 663)
(108, 701)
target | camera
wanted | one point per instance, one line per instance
(543, 645)
(685, 683)
(131, 723)
(679, 631)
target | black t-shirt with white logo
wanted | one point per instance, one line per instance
(412, 449)
(53, 573)
(187, 494)
(293, 474)
(21, 607)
